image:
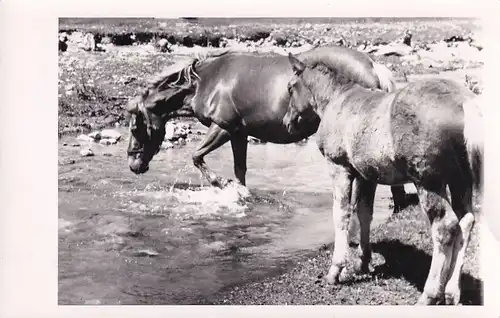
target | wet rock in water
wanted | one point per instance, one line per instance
(86, 152)
(175, 131)
(145, 253)
(96, 135)
(169, 131)
(108, 142)
(67, 161)
(110, 134)
(84, 138)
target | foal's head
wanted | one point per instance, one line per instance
(302, 107)
(148, 113)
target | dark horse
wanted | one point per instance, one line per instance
(237, 95)
(427, 133)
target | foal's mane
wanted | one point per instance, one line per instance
(180, 74)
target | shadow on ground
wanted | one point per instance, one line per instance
(412, 264)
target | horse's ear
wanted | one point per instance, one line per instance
(297, 66)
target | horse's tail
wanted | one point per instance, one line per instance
(474, 140)
(385, 77)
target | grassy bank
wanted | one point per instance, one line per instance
(402, 255)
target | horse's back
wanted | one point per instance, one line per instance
(385, 136)
(427, 123)
(246, 91)
(425, 108)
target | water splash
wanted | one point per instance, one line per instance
(202, 201)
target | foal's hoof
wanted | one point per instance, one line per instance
(329, 279)
(452, 299)
(425, 300)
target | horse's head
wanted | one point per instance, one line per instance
(147, 131)
(301, 110)
(148, 114)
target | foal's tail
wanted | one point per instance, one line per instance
(385, 78)
(474, 140)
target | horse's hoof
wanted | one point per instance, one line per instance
(452, 299)
(426, 300)
(220, 183)
(330, 279)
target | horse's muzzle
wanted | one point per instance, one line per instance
(136, 165)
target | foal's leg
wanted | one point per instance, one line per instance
(215, 138)
(342, 211)
(444, 224)
(362, 198)
(399, 198)
(461, 200)
(239, 143)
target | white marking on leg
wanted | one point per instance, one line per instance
(452, 291)
(342, 211)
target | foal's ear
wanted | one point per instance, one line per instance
(132, 107)
(297, 66)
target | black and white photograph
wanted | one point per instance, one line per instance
(198, 157)
(232, 160)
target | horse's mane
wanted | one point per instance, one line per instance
(336, 77)
(342, 64)
(180, 74)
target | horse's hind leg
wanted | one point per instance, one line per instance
(215, 138)
(362, 199)
(461, 200)
(444, 224)
(399, 198)
(342, 211)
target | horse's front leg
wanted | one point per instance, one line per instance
(239, 144)
(342, 211)
(362, 200)
(215, 138)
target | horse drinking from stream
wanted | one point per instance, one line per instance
(427, 133)
(237, 95)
